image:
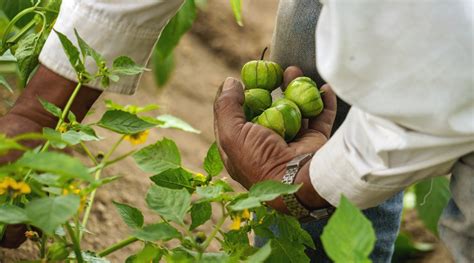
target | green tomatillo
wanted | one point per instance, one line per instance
(284, 119)
(304, 92)
(256, 101)
(262, 74)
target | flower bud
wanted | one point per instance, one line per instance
(304, 93)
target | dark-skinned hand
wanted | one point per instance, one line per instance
(252, 153)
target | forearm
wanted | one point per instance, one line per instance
(51, 87)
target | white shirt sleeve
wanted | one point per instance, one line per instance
(407, 69)
(113, 28)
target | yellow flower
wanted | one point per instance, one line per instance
(63, 128)
(72, 189)
(9, 186)
(200, 177)
(236, 221)
(137, 138)
(245, 214)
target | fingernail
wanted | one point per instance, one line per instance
(229, 83)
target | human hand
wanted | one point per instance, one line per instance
(252, 153)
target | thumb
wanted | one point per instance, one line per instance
(228, 112)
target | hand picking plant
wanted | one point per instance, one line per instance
(52, 193)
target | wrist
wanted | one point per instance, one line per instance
(307, 195)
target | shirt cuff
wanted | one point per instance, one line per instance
(111, 34)
(332, 175)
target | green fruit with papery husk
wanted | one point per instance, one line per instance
(304, 92)
(262, 74)
(256, 101)
(284, 119)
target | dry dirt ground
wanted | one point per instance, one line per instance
(214, 49)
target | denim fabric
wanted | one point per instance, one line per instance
(385, 219)
(456, 226)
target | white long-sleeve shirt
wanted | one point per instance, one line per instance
(405, 66)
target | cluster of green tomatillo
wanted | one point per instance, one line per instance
(301, 98)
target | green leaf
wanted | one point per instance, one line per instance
(162, 67)
(348, 236)
(27, 55)
(10, 214)
(72, 53)
(169, 121)
(290, 229)
(176, 27)
(4, 83)
(158, 157)
(54, 137)
(269, 190)
(12, 8)
(432, 196)
(123, 122)
(213, 257)
(237, 10)
(130, 215)
(200, 213)
(155, 232)
(57, 163)
(126, 66)
(7, 144)
(169, 203)
(75, 137)
(285, 251)
(51, 108)
(91, 257)
(210, 192)
(213, 163)
(262, 192)
(86, 50)
(50, 212)
(149, 253)
(174, 178)
(261, 255)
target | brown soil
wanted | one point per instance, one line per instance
(215, 48)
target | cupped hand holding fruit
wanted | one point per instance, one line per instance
(253, 153)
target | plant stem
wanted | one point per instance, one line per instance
(117, 246)
(214, 232)
(88, 152)
(43, 246)
(119, 158)
(75, 243)
(13, 22)
(97, 177)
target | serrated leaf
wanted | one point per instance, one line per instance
(130, 215)
(10, 214)
(237, 10)
(155, 232)
(4, 83)
(432, 196)
(209, 192)
(285, 251)
(349, 235)
(158, 157)
(169, 121)
(123, 122)
(174, 178)
(50, 212)
(246, 203)
(169, 203)
(290, 229)
(51, 108)
(72, 53)
(149, 253)
(126, 66)
(200, 213)
(57, 163)
(213, 163)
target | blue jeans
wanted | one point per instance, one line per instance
(385, 219)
